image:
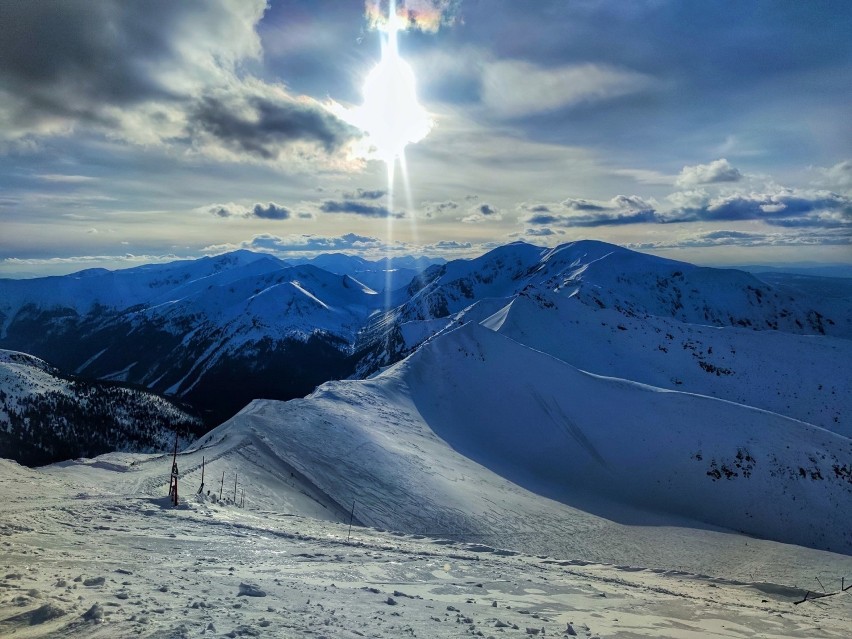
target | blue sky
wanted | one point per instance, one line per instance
(716, 132)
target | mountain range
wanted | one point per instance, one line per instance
(516, 394)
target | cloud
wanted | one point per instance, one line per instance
(715, 172)
(358, 208)
(738, 238)
(431, 209)
(448, 245)
(838, 177)
(270, 211)
(365, 194)
(65, 179)
(537, 208)
(543, 232)
(263, 126)
(269, 243)
(620, 210)
(769, 207)
(162, 73)
(482, 213)
(514, 88)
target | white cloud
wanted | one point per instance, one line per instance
(482, 213)
(838, 177)
(513, 88)
(716, 171)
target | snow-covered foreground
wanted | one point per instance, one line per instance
(91, 549)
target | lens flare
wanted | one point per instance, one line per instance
(391, 116)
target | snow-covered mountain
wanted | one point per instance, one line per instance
(221, 331)
(217, 332)
(441, 441)
(380, 275)
(584, 295)
(46, 416)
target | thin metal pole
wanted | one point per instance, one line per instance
(351, 516)
(201, 488)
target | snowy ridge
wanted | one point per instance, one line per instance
(635, 284)
(433, 441)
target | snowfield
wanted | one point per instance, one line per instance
(580, 441)
(91, 548)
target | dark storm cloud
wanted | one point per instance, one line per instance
(266, 126)
(357, 208)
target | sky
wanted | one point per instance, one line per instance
(713, 132)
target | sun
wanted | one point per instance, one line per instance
(391, 115)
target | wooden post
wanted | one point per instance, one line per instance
(235, 488)
(351, 516)
(222, 486)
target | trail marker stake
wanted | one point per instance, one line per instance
(351, 516)
(173, 482)
(201, 488)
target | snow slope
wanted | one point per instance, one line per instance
(402, 444)
(46, 416)
(800, 376)
(90, 549)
